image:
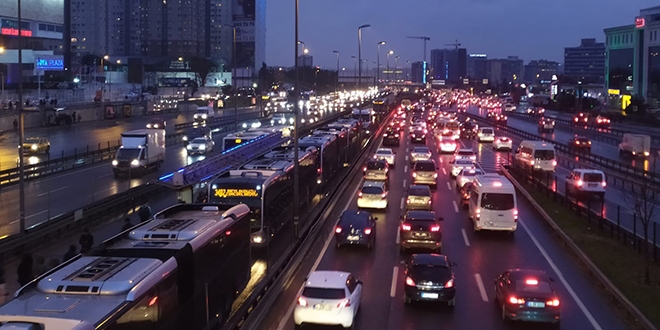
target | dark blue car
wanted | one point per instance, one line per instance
(356, 227)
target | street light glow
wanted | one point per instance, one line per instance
(2, 50)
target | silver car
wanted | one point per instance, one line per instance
(385, 154)
(420, 153)
(425, 172)
(376, 170)
(419, 198)
(200, 145)
(458, 165)
(465, 176)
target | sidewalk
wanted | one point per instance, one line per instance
(100, 233)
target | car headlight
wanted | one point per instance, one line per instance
(135, 162)
(202, 147)
(114, 162)
(185, 138)
(34, 147)
(189, 147)
(257, 239)
(204, 116)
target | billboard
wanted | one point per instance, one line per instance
(243, 15)
(47, 11)
(49, 62)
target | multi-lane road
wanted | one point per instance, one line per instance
(480, 259)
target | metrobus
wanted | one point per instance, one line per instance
(181, 270)
(329, 154)
(266, 187)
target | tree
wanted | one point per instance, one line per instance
(202, 67)
(642, 198)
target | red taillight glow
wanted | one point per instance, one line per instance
(449, 284)
(367, 231)
(604, 183)
(364, 169)
(344, 303)
(514, 300)
(532, 281)
(407, 201)
(580, 183)
(435, 175)
(302, 302)
(338, 230)
(429, 202)
(383, 195)
(360, 194)
(414, 175)
(554, 163)
(435, 228)
(405, 227)
(553, 302)
(153, 301)
(410, 282)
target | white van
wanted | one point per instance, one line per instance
(203, 113)
(486, 134)
(538, 155)
(493, 203)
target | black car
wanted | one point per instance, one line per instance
(391, 138)
(356, 227)
(500, 118)
(418, 135)
(465, 194)
(579, 143)
(421, 229)
(429, 277)
(527, 295)
(468, 130)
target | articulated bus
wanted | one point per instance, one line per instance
(345, 137)
(329, 155)
(181, 270)
(266, 187)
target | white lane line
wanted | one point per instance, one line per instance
(448, 186)
(406, 157)
(395, 273)
(482, 289)
(289, 311)
(405, 169)
(455, 206)
(52, 191)
(30, 216)
(444, 171)
(465, 238)
(404, 183)
(398, 237)
(401, 204)
(592, 320)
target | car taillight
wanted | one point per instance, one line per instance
(409, 281)
(580, 183)
(414, 175)
(407, 201)
(360, 194)
(364, 169)
(344, 303)
(338, 230)
(449, 284)
(553, 302)
(302, 302)
(396, 135)
(405, 227)
(604, 183)
(435, 228)
(367, 231)
(435, 175)
(383, 195)
(429, 202)
(554, 163)
(514, 300)
(515, 214)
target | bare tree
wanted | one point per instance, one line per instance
(643, 197)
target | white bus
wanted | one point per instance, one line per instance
(536, 155)
(493, 203)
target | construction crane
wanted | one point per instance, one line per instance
(425, 39)
(455, 44)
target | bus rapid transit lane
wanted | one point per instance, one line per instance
(488, 254)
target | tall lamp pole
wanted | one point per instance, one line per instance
(233, 77)
(395, 66)
(360, 53)
(21, 128)
(378, 63)
(337, 82)
(296, 126)
(388, 64)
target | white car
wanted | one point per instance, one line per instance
(509, 107)
(447, 145)
(502, 143)
(200, 145)
(413, 127)
(420, 153)
(373, 195)
(328, 298)
(458, 165)
(585, 181)
(465, 153)
(465, 176)
(385, 154)
(486, 134)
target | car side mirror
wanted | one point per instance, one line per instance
(441, 219)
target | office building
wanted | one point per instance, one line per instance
(586, 62)
(540, 72)
(504, 72)
(449, 65)
(418, 72)
(306, 60)
(477, 66)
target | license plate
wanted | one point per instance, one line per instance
(420, 234)
(322, 307)
(429, 295)
(535, 304)
(353, 238)
(593, 185)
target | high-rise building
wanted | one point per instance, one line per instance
(449, 64)
(505, 71)
(586, 62)
(477, 66)
(540, 72)
(417, 72)
(306, 60)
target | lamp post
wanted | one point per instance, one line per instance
(2, 77)
(354, 65)
(105, 80)
(360, 53)
(367, 68)
(388, 63)
(395, 66)
(378, 63)
(21, 128)
(233, 76)
(337, 82)
(296, 126)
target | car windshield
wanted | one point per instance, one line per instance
(431, 273)
(419, 192)
(375, 166)
(199, 140)
(593, 177)
(384, 152)
(372, 190)
(324, 293)
(487, 131)
(128, 154)
(424, 167)
(539, 287)
(466, 152)
(544, 154)
(32, 140)
(421, 150)
(497, 201)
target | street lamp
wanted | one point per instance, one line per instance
(378, 63)
(395, 66)
(2, 78)
(337, 82)
(21, 128)
(360, 53)
(388, 63)
(296, 126)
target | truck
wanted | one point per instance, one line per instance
(635, 145)
(140, 150)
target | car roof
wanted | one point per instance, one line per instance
(378, 184)
(425, 148)
(429, 259)
(376, 161)
(463, 160)
(421, 215)
(587, 170)
(384, 149)
(327, 279)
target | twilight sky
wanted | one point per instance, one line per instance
(530, 29)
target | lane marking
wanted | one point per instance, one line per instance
(30, 216)
(404, 183)
(455, 206)
(52, 191)
(401, 204)
(406, 157)
(448, 186)
(289, 311)
(465, 238)
(405, 169)
(398, 237)
(482, 289)
(570, 290)
(395, 273)
(444, 171)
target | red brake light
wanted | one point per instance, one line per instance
(360, 194)
(414, 175)
(367, 231)
(435, 228)
(410, 282)
(580, 183)
(338, 230)
(514, 300)
(364, 169)
(344, 303)
(302, 302)
(553, 302)
(604, 183)
(153, 301)
(383, 195)
(405, 227)
(532, 281)
(449, 284)
(407, 201)
(435, 175)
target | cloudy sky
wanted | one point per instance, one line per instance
(530, 29)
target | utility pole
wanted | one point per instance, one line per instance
(360, 55)
(234, 80)
(296, 127)
(21, 128)
(337, 82)
(378, 63)
(425, 39)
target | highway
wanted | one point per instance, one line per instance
(614, 195)
(630, 127)
(480, 259)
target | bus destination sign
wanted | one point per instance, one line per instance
(228, 193)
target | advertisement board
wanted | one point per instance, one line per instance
(49, 62)
(243, 15)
